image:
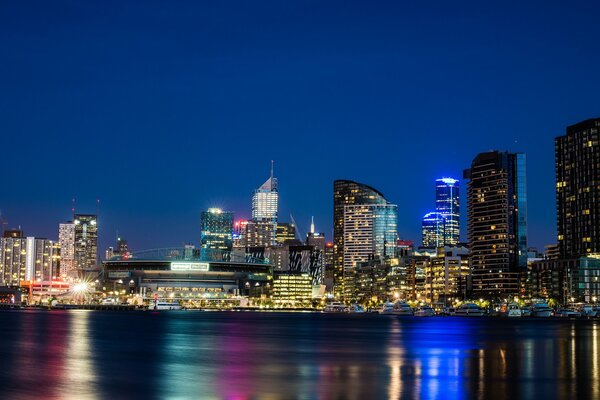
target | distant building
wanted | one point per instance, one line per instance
(259, 233)
(447, 204)
(216, 229)
(86, 241)
(432, 230)
(265, 201)
(285, 231)
(13, 233)
(497, 222)
(360, 209)
(66, 239)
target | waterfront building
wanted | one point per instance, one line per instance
(188, 275)
(497, 222)
(27, 259)
(577, 189)
(432, 230)
(216, 229)
(447, 275)
(285, 231)
(571, 270)
(292, 289)
(66, 239)
(265, 202)
(447, 204)
(381, 223)
(370, 231)
(86, 241)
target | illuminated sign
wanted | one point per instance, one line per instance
(118, 274)
(187, 266)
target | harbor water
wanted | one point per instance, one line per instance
(80, 354)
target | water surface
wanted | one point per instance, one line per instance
(250, 355)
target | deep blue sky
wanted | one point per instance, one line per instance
(162, 109)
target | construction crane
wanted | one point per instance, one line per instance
(297, 229)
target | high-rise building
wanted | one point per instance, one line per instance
(216, 229)
(497, 222)
(86, 240)
(28, 259)
(432, 229)
(265, 201)
(365, 225)
(66, 239)
(578, 189)
(447, 203)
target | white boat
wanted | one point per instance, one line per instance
(567, 313)
(511, 310)
(469, 310)
(425, 311)
(588, 311)
(164, 305)
(355, 308)
(541, 310)
(402, 308)
(387, 308)
(335, 307)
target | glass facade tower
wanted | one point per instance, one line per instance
(433, 229)
(497, 222)
(365, 226)
(265, 201)
(447, 204)
(216, 229)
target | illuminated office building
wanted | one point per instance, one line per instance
(447, 275)
(66, 239)
(497, 222)
(265, 205)
(86, 241)
(447, 204)
(216, 229)
(433, 228)
(381, 225)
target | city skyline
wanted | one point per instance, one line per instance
(365, 103)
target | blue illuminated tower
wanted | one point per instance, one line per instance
(447, 204)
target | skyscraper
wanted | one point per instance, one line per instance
(86, 240)
(433, 229)
(497, 222)
(265, 205)
(578, 189)
(354, 226)
(447, 204)
(66, 239)
(216, 229)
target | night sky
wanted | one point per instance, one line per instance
(163, 109)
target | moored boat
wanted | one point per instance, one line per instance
(541, 310)
(469, 310)
(355, 308)
(425, 311)
(387, 308)
(335, 307)
(402, 308)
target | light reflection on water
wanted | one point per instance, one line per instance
(87, 355)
